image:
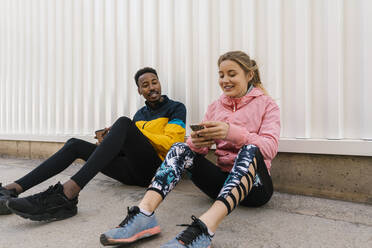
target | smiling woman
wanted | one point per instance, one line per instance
(236, 69)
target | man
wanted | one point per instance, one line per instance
(130, 152)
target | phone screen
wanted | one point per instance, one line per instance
(196, 127)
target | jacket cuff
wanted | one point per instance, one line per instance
(236, 134)
(203, 150)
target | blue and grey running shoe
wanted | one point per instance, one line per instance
(134, 227)
(195, 236)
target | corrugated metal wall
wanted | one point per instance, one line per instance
(67, 66)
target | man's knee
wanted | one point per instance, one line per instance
(74, 142)
(123, 121)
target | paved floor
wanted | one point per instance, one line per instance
(286, 221)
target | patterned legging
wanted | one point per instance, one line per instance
(238, 184)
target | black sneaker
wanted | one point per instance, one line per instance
(49, 205)
(195, 236)
(6, 194)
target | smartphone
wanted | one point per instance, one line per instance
(196, 127)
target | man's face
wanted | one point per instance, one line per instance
(149, 87)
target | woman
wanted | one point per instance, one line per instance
(244, 124)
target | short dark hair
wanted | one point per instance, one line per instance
(144, 70)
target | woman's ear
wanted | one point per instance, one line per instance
(250, 75)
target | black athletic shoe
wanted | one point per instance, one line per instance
(6, 194)
(49, 205)
(195, 236)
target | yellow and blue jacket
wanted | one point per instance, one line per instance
(163, 125)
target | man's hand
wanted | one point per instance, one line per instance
(100, 134)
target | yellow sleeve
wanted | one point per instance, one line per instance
(162, 142)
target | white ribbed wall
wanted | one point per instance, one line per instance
(67, 66)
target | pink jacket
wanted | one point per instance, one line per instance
(253, 119)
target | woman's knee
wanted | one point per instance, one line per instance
(251, 149)
(180, 146)
(180, 155)
(181, 149)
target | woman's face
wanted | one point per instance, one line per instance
(233, 80)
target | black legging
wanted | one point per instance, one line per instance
(125, 154)
(210, 179)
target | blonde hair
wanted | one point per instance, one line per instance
(247, 64)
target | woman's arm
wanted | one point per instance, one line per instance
(266, 139)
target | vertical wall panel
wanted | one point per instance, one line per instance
(21, 69)
(122, 54)
(302, 78)
(2, 64)
(77, 93)
(166, 46)
(366, 68)
(51, 68)
(43, 68)
(136, 44)
(67, 67)
(28, 67)
(6, 68)
(87, 68)
(335, 59)
(288, 111)
(109, 58)
(274, 60)
(352, 71)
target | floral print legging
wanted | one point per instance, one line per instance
(238, 183)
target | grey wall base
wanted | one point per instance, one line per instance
(331, 176)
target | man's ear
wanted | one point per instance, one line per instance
(139, 91)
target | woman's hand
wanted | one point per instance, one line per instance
(214, 130)
(200, 141)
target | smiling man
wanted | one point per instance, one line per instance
(131, 152)
(162, 120)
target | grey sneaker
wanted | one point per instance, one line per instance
(195, 236)
(6, 194)
(134, 227)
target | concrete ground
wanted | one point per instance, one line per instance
(286, 221)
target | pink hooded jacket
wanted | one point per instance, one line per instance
(253, 119)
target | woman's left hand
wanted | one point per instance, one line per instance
(214, 130)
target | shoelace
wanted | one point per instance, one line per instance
(40, 197)
(131, 213)
(192, 231)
